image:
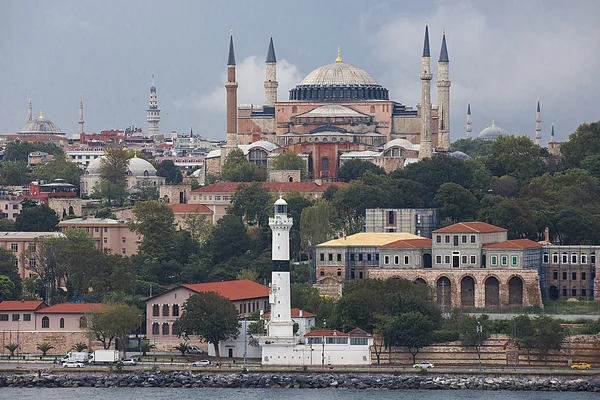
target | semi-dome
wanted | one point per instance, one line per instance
(492, 132)
(41, 126)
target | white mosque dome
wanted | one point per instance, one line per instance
(41, 126)
(140, 167)
(492, 133)
(93, 167)
(338, 74)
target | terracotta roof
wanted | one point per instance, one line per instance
(408, 244)
(363, 239)
(470, 227)
(190, 208)
(278, 187)
(514, 244)
(233, 290)
(295, 314)
(73, 308)
(326, 332)
(26, 305)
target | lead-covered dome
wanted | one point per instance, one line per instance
(338, 73)
(41, 126)
(492, 133)
(140, 167)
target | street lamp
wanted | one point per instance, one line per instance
(323, 343)
(479, 330)
(245, 342)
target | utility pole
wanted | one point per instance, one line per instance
(245, 342)
(479, 330)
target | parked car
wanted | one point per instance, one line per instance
(194, 350)
(581, 365)
(129, 361)
(423, 365)
(201, 363)
(72, 364)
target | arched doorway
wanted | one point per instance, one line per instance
(427, 260)
(515, 291)
(444, 294)
(420, 281)
(467, 292)
(492, 292)
(553, 293)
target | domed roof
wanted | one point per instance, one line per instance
(140, 167)
(492, 132)
(399, 143)
(41, 126)
(460, 154)
(269, 146)
(93, 167)
(338, 74)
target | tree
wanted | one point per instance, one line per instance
(470, 334)
(584, 142)
(290, 161)
(513, 215)
(456, 202)
(19, 150)
(549, 335)
(9, 270)
(114, 322)
(472, 147)
(237, 168)
(411, 330)
(182, 347)
(525, 333)
(252, 203)
(316, 225)
(59, 168)
(355, 169)
(229, 239)
(14, 173)
(7, 288)
(12, 347)
(515, 156)
(199, 226)
(296, 203)
(168, 169)
(145, 347)
(79, 347)
(44, 348)
(156, 223)
(37, 219)
(113, 174)
(506, 186)
(211, 316)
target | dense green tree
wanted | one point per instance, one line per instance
(211, 316)
(7, 225)
(105, 212)
(113, 322)
(515, 156)
(296, 203)
(514, 216)
(37, 219)
(306, 297)
(316, 225)
(290, 161)
(354, 169)
(456, 202)
(411, 330)
(19, 150)
(575, 226)
(59, 168)
(505, 186)
(237, 168)
(14, 173)
(252, 203)
(229, 239)
(472, 147)
(584, 142)
(592, 164)
(7, 288)
(155, 221)
(198, 225)
(525, 333)
(469, 334)
(549, 334)
(168, 169)
(113, 174)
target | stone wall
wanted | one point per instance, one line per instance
(173, 194)
(62, 341)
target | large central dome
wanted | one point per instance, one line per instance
(41, 126)
(338, 73)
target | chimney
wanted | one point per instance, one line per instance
(300, 313)
(547, 235)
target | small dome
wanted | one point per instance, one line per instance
(140, 167)
(93, 167)
(338, 74)
(269, 146)
(281, 202)
(492, 132)
(41, 126)
(460, 154)
(399, 143)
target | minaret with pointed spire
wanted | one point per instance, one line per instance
(81, 121)
(29, 111)
(443, 96)
(469, 129)
(153, 112)
(538, 126)
(425, 76)
(271, 79)
(552, 134)
(231, 87)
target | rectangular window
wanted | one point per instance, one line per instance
(504, 260)
(463, 239)
(165, 329)
(32, 248)
(165, 310)
(155, 310)
(574, 276)
(16, 317)
(155, 328)
(463, 260)
(368, 256)
(514, 260)
(564, 276)
(546, 258)
(218, 198)
(377, 257)
(14, 247)
(574, 292)
(360, 256)
(396, 260)
(339, 256)
(472, 238)
(564, 292)
(574, 258)
(351, 256)
(105, 230)
(391, 218)
(15, 206)
(359, 341)
(473, 259)
(583, 292)
(330, 257)
(26, 317)
(555, 275)
(32, 263)
(386, 260)
(438, 238)
(555, 258)
(315, 340)
(438, 259)
(447, 239)
(494, 260)
(593, 259)
(123, 240)
(336, 340)
(455, 240)
(584, 259)
(3, 317)
(322, 256)
(583, 277)
(406, 260)
(105, 240)
(123, 250)
(96, 229)
(446, 259)
(565, 258)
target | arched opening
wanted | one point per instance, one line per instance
(62, 323)
(258, 157)
(291, 179)
(83, 322)
(155, 328)
(553, 293)
(444, 294)
(492, 292)
(427, 263)
(165, 329)
(45, 322)
(515, 291)
(420, 281)
(467, 292)
(71, 210)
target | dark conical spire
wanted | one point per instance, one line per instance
(469, 109)
(426, 43)
(444, 51)
(231, 60)
(271, 53)
(552, 134)
(538, 108)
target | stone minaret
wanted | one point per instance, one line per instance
(271, 81)
(81, 121)
(443, 97)
(538, 126)
(552, 134)
(29, 111)
(426, 76)
(469, 129)
(280, 324)
(153, 113)
(231, 88)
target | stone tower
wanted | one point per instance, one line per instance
(443, 97)
(153, 112)
(538, 126)
(469, 129)
(425, 76)
(271, 79)
(280, 324)
(231, 88)
(81, 121)
(29, 111)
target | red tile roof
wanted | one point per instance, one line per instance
(190, 208)
(326, 332)
(408, 244)
(73, 308)
(514, 244)
(295, 314)
(278, 187)
(233, 290)
(24, 305)
(470, 227)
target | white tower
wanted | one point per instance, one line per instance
(271, 79)
(153, 112)
(469, 129)
(29, 111)
(425, 76)
(538, 126)
(81, 121)
(281, 324)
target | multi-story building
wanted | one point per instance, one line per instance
(24, 247)
(10, 206)
(108, 234)
(418, 221)
(84, 155)
(569, 271)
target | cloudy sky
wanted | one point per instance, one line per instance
(504, 56)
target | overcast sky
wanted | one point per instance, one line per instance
(504, 56)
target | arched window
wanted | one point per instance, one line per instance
(146, 172)
(325, 164)
(83, 322)
(155, 328)
(165, 329)
(45, 322)
(258, 157)
(155, 310)
(175, 310)
(62, 323)
(165, 310)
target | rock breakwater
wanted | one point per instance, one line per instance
(303, 381)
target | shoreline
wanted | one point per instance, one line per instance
(298, 380)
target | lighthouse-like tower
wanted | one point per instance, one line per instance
(281, 325)
(153, 112)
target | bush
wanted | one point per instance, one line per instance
(444, 336)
